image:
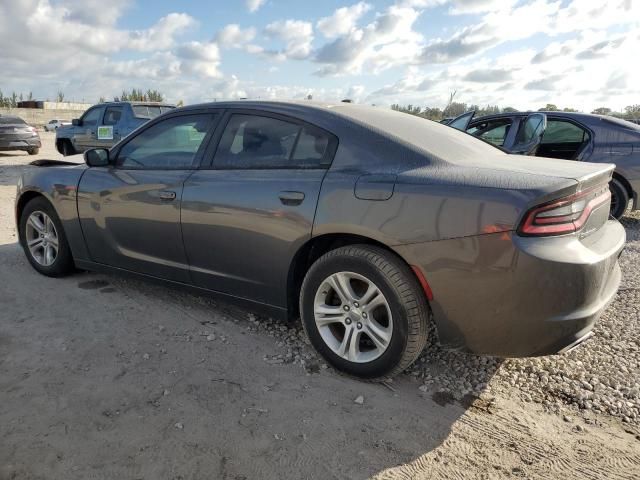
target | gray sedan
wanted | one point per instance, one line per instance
(16, 134)
(364, 222)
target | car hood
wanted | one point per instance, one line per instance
(72, 160)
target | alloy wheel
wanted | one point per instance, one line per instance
(42, 238)
(353, 317)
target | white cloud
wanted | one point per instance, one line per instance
(386, 42)
(232, 36)
(254, 5)
(343, 20)
(297, 36)
(161, 35)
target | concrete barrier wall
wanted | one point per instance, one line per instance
(38, 117)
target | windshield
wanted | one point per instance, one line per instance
(11, 121)
(150, 111)
(622, 123)
(437, 139)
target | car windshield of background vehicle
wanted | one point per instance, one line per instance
(622, 123)
(11, 120)
(255, 142)
(150, 111)
(172, 143)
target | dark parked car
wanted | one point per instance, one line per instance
(105, 124)
(360, 219)
(569, 136)
(15, 134)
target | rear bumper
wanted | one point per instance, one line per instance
(20, 143)
(510, 296)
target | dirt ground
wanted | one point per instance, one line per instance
(105, 377)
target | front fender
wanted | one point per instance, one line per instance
(59, 185)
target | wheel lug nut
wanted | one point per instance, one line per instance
(356, 304)
(346, 308)
(359, 325)
(364, 315)
(348, 321)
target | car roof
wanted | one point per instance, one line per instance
(438, 141)
(150, 104)
(588, 118)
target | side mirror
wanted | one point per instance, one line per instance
(97, 157)
(76, 122)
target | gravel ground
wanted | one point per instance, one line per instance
(106, 377)
(602, 375)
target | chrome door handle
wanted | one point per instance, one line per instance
(167, 195)
(291, 198)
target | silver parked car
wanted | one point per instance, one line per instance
(361, 220)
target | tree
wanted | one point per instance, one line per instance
(408, 109)
(549, 108)
(60, 96)
(454, 109)
(509, 110)
(432, 113)
(602, 111)
(632, 111)
(138, 95)
(567, 109)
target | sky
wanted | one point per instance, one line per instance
(582, 54)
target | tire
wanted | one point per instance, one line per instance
(62, 263)
(619, 198)
(67, 148)
(33, 151)
(399, 321)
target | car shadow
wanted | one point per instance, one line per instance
(136, 379)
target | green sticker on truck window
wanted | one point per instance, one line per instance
(105, 132)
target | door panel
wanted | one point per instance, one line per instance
(129, 223)
(130, 212)
(86, 134)
(241, 228)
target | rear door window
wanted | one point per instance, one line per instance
(261, 142)
(562, 139)
(494, 132)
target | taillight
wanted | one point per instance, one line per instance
(564, 215)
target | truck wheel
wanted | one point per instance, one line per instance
(33, 151)
(619, 198)
(364, 311)
(67, 148)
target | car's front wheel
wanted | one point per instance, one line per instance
(43, 239)
(364, 311)
(66, 148)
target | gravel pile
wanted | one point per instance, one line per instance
(601, 376)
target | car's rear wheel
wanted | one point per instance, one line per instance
(33, 151)
(364, 311)
(43, 239)
(619, 198)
